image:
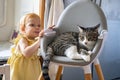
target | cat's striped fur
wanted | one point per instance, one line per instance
(75, 45)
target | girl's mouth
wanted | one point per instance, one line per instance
(37, 32)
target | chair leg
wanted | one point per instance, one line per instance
(87, 72)
(99, 70)
(88, 76)
(59, 72)
(41, 77)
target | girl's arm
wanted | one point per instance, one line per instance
(27, 50)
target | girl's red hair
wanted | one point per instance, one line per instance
(24, 19)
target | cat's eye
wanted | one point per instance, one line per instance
(81, 37)
(89, 39)
(94, 38)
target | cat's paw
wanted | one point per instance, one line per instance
(89, 52)
(84, 51)
(85, 57)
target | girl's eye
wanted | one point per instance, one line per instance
(32, 25)
(38, 25)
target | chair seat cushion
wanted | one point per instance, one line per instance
(63, 60)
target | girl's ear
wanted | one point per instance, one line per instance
(22, 29)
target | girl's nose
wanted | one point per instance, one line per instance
(37, 26)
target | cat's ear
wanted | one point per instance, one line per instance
(97, 26)
(80, 28)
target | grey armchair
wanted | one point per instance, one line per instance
(85, 13)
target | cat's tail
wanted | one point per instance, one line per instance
(45, 69)
(46, 62)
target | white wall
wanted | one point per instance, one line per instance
(5, 30)
(25, 6)
(15, 10)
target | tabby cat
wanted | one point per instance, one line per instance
(74, 45)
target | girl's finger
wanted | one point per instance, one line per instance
(51, 27)
(41, 33)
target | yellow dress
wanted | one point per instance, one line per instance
(22, 68)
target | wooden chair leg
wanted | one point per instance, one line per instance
(87, 72)
(59, 72)
(99, 70)
(88, 76)
(41, 77)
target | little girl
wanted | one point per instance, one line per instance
(24, 62)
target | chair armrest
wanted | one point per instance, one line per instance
(99, 45)
(102, 34)
(45, 40)
(101, 41)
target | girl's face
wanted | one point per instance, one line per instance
(32, 28)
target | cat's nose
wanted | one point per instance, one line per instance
(86, 43)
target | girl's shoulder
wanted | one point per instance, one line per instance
(23, 38)
(18, 38)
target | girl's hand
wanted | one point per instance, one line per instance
(41, 33)
(52, 27)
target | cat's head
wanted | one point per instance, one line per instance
(88, 35)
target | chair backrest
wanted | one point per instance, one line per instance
(80, 12)
(5, 70)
